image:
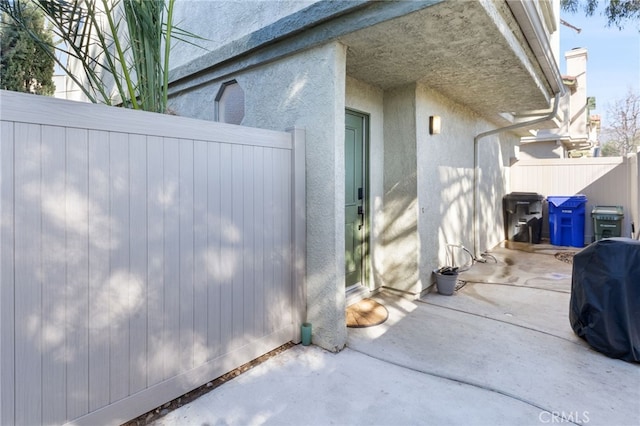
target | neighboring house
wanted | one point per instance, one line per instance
(59, 80)
(578, 134)
(66, 88)
(394, 97)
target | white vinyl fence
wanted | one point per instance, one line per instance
(606, 181)
(141, 255)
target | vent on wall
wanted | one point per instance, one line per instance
(230, 103)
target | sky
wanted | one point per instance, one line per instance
(613, 57)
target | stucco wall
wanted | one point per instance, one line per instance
(422, 185)
(577, 67)
(401, 245)
(445, 180)
(210, 20)
(550, 149)
(368, 99)
(496, 155)
(308, 91)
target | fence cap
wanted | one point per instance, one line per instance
(558, 200)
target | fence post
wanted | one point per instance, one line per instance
(634, 192)
(299, 230)
(7, 280)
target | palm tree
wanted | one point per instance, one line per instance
(117, 50)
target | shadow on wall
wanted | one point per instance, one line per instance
(138, 260)
(593, 177)
(456, 202)
(399, 236)
(415, 237)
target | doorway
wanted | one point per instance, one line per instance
(356, 199)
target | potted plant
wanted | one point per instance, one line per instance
(446, 279)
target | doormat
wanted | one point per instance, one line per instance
(366, 313)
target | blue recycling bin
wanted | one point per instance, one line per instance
(566, 220)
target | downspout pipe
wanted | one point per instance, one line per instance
(476, 163)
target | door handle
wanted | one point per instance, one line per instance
(361, 214)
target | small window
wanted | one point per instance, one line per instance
(230, 103)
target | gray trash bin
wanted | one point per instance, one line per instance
(607, 221)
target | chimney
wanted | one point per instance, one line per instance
(577, 68)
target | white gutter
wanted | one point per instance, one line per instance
(476, 166)
(533, 28)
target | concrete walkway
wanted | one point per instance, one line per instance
(499, 352)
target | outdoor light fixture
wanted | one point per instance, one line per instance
(434, 125)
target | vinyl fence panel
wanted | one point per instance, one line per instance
(141, 256)
(604, 180)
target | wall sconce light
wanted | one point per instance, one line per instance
(434, 125)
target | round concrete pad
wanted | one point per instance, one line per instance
(366, 313)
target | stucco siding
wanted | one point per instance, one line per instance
(576, 60)
(400, 241)
(548, 149)
(445, 184)
(445, 180)
(210, 20)
(422, 185)
(496, 155)
(307, 91)
(426, 181)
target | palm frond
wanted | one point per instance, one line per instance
(120, 45)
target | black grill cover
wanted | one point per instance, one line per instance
(605, 297)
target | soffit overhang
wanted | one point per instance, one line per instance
(476, 53)
(473, 52)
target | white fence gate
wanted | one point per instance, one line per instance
(141, 255)
(604, 180)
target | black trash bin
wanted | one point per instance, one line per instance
(523, 216)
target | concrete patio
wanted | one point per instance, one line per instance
(500, 351)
